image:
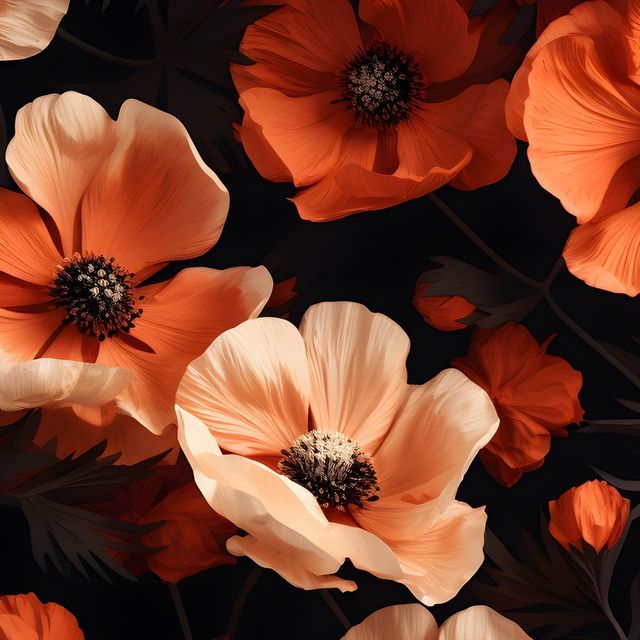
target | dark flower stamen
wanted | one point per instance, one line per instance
(97, 294)
(382, 84)
(332, 467)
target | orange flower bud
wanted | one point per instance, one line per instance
(442, 312)
(594, 513)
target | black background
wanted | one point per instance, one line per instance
(374, 258)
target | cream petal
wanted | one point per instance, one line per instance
(401, 621)
(54, 383)
(251, 387)
(426, 454)
(480, 622)
(59, 143)
(28, 26)
(284, 563)
(358, 374)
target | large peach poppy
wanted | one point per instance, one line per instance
(535, 394)
(576, 100)
(121, 199)
(24, 617)
(331, 454)
(28, 26)
(414, 622)
(352, 108)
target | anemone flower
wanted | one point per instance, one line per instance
(110, 203)
(313, 443)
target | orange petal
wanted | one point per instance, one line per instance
(154, 200)
(358, 371)
(605, 252)
(181, 318)
(24, 335)
(437, 31)
(426, 454)
(251, 387)
(299, 49)
(26, 249)
(582, 127)
(305, 132)
(480, 622)
(408, 621)
(28, 26)
(60, 142)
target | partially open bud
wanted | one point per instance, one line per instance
(594, 513)
(442, 312)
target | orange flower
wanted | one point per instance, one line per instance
(576, 100)
(414, 622)
(535, 395)
(442, 312)
(594, 513)
(28, 26)
(24, 617)
(351, 107)
(331, 454)
(122, 200)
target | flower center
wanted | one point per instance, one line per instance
(97, 294)
(332, 467)
(382, 84)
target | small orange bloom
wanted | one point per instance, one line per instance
(24, 617)
(594, 513)
(442, 312)
(576, 100)
(28, 26)
(535, 395)
(122, 199)
(360, 110)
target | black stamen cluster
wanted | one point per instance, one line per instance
(382, 84)
(332, 467)
(97, 295)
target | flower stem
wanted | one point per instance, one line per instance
(335, 609)
(241, 599)
(180, 610)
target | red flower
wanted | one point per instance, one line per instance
(593, 513)
(535, 395)
(442, 312)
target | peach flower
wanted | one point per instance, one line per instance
(593, 513)
(24, 617)
(365, 111)
(330, 454)
(442, 312)
(535, 394)
(576, 100)
(28, 26)
(122, 199)
(414, 622)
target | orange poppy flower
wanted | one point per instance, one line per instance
(28, 26)
(414, 622)
(24, 617)
(576, 100)
(442, 312)
(331, 454)
(593, 513)
(351, 107)
(122, 199)
(535, 395)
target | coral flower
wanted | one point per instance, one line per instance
(24, 617)
(28, 26)
(414, 622)
(364, 111)
(442, 312)
(121, 199)
(331, 454)
(593, 513)
(535, 394)
(576, 100)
